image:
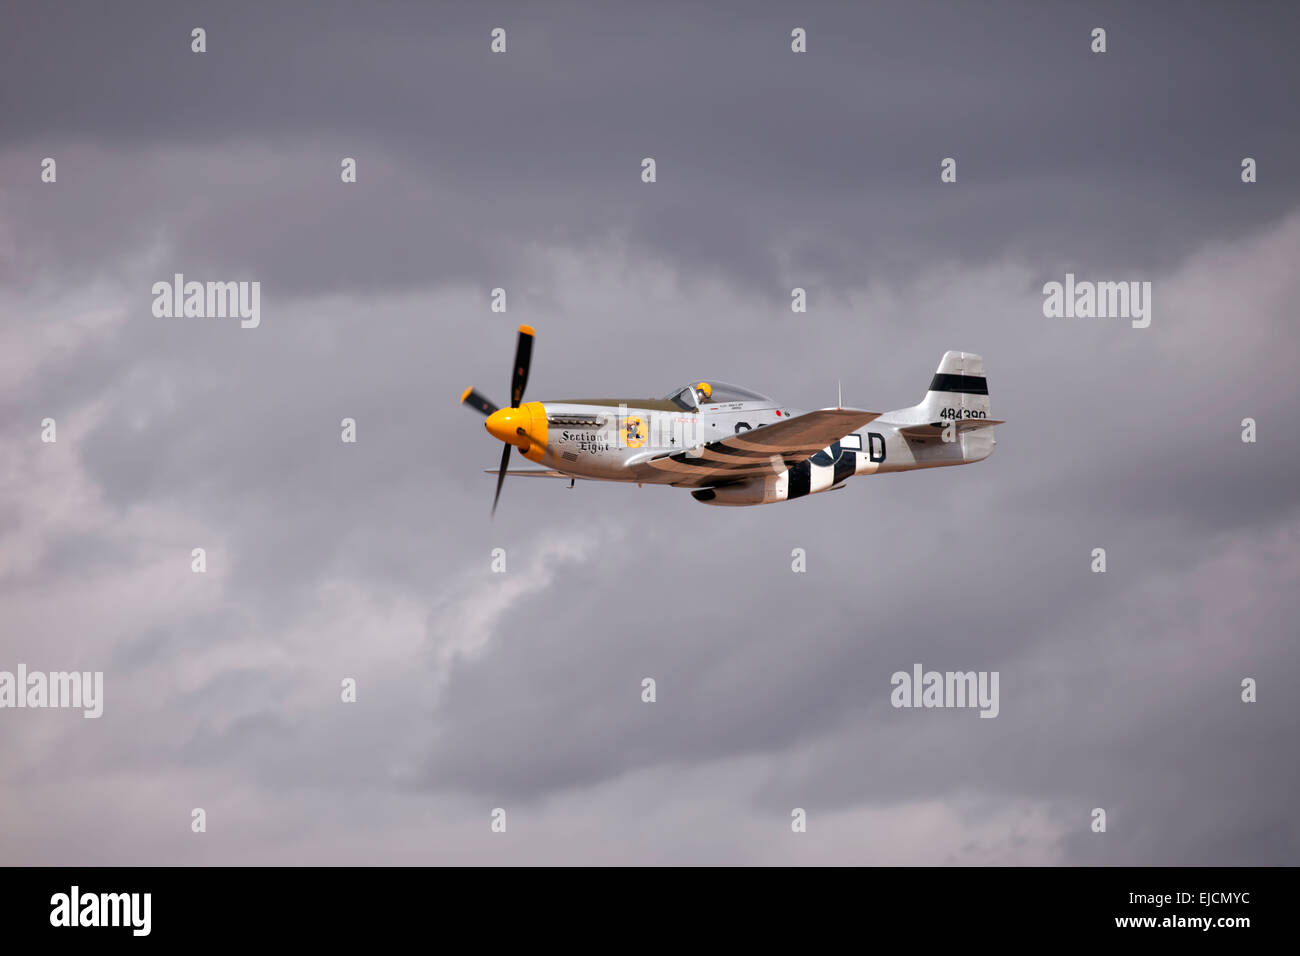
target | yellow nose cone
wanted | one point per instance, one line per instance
(504, 425)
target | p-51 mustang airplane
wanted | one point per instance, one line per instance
(734, 446)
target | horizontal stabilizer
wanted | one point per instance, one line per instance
(936, 429)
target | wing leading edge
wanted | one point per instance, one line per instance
(533, 473)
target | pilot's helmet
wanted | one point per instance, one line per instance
(704, 391)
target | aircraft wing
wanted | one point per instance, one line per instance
(532, 473)
(767, 450)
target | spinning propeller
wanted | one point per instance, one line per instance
(516, 425)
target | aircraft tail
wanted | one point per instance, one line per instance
(956, 406)
(958, 391)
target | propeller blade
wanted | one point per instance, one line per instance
(501, 474)
(532, 440)
(523, 359)
(477, 402)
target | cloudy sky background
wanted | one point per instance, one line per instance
(522, 691)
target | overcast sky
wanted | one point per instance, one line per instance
(522, 690)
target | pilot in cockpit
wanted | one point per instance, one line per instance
(703, 393)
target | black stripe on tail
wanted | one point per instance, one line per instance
(967, 384)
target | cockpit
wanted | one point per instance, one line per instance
(709, 392)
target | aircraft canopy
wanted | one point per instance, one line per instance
(723, 392)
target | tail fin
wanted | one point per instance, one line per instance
(958, 393)
(959, 389)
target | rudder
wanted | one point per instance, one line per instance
(958, 390)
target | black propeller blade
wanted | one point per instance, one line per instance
(531, 440)
(501, 475)
(477, 401)
(518, 381)
(523, 360)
